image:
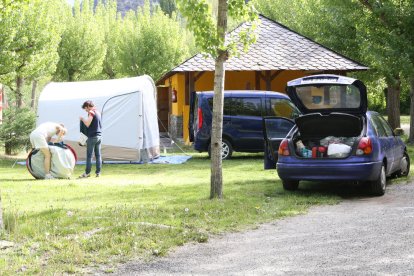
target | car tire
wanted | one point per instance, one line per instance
(405, 166)
(290, 185)
(226, 150)
(377, 186)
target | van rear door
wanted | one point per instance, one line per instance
(192, 119)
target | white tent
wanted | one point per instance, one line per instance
(129, 115)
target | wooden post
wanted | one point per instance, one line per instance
(257, 79)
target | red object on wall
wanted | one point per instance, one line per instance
(174, 96)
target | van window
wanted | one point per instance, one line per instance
(227, 108)
(283, 108)
(247, 106)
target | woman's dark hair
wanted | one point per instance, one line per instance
(87, 104)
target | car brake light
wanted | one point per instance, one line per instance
(364, 146)
(284, 148)
(200, 118)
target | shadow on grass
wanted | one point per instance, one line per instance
(343, 189)
(2, 180)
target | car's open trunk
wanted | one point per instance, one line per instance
(333, 135)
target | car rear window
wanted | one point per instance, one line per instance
(329, 96)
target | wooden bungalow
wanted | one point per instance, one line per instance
(278, 56)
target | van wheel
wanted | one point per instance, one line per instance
(290, 185)
(377, 186)
(226, 150)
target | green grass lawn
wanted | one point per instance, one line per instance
(83, 225)
(405, 119)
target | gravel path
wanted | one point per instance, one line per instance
(364, 236)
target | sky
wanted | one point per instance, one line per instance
(70, 1)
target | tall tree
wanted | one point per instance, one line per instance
(211, 38)
(396, 19)
(365, 30)
(35, 42)
(110, 20)
(82, 49)
(152, 43)
(6, 38)
(168, 6)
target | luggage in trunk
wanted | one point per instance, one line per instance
(327, 136)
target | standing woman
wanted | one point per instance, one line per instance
(94, 132)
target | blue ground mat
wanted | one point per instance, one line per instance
(173, 159)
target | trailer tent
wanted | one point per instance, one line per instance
(129, 115)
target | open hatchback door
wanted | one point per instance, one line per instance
(275, 130)
(330, 104)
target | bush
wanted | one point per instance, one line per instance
(16, 128)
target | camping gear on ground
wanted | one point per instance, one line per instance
(62, 161)
(128, 109)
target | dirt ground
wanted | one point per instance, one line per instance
(360, 236)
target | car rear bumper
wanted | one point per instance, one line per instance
(326, 171)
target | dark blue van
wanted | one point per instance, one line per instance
(242, 119)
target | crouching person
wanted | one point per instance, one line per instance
(41, 136)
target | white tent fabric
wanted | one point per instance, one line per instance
(128, 108)
(62, 163)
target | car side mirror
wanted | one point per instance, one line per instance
(398, 131)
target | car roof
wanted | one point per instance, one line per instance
(245, 93)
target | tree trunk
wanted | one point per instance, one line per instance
(411, 136)
(19, 94)
(1, 216)
(1, 103)
(33, 101)
(393, 103)
(216, 180)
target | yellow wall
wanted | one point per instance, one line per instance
(235, 80)
(177, 83)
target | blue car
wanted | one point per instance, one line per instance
(336, 138)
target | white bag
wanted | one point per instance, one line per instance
(82, 139)
(338, 150)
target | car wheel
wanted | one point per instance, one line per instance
(378, 186)
(226, 150)
(405, 166)
(290, 185)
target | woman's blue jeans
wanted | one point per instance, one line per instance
(93, 144)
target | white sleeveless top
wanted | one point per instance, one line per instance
(47, 129)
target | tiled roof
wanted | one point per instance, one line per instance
(277, 48)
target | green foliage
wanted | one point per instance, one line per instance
(16, 128)
(152, 43)
(33, 50)
(107, 17)
(82, 49)
(200, 20)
